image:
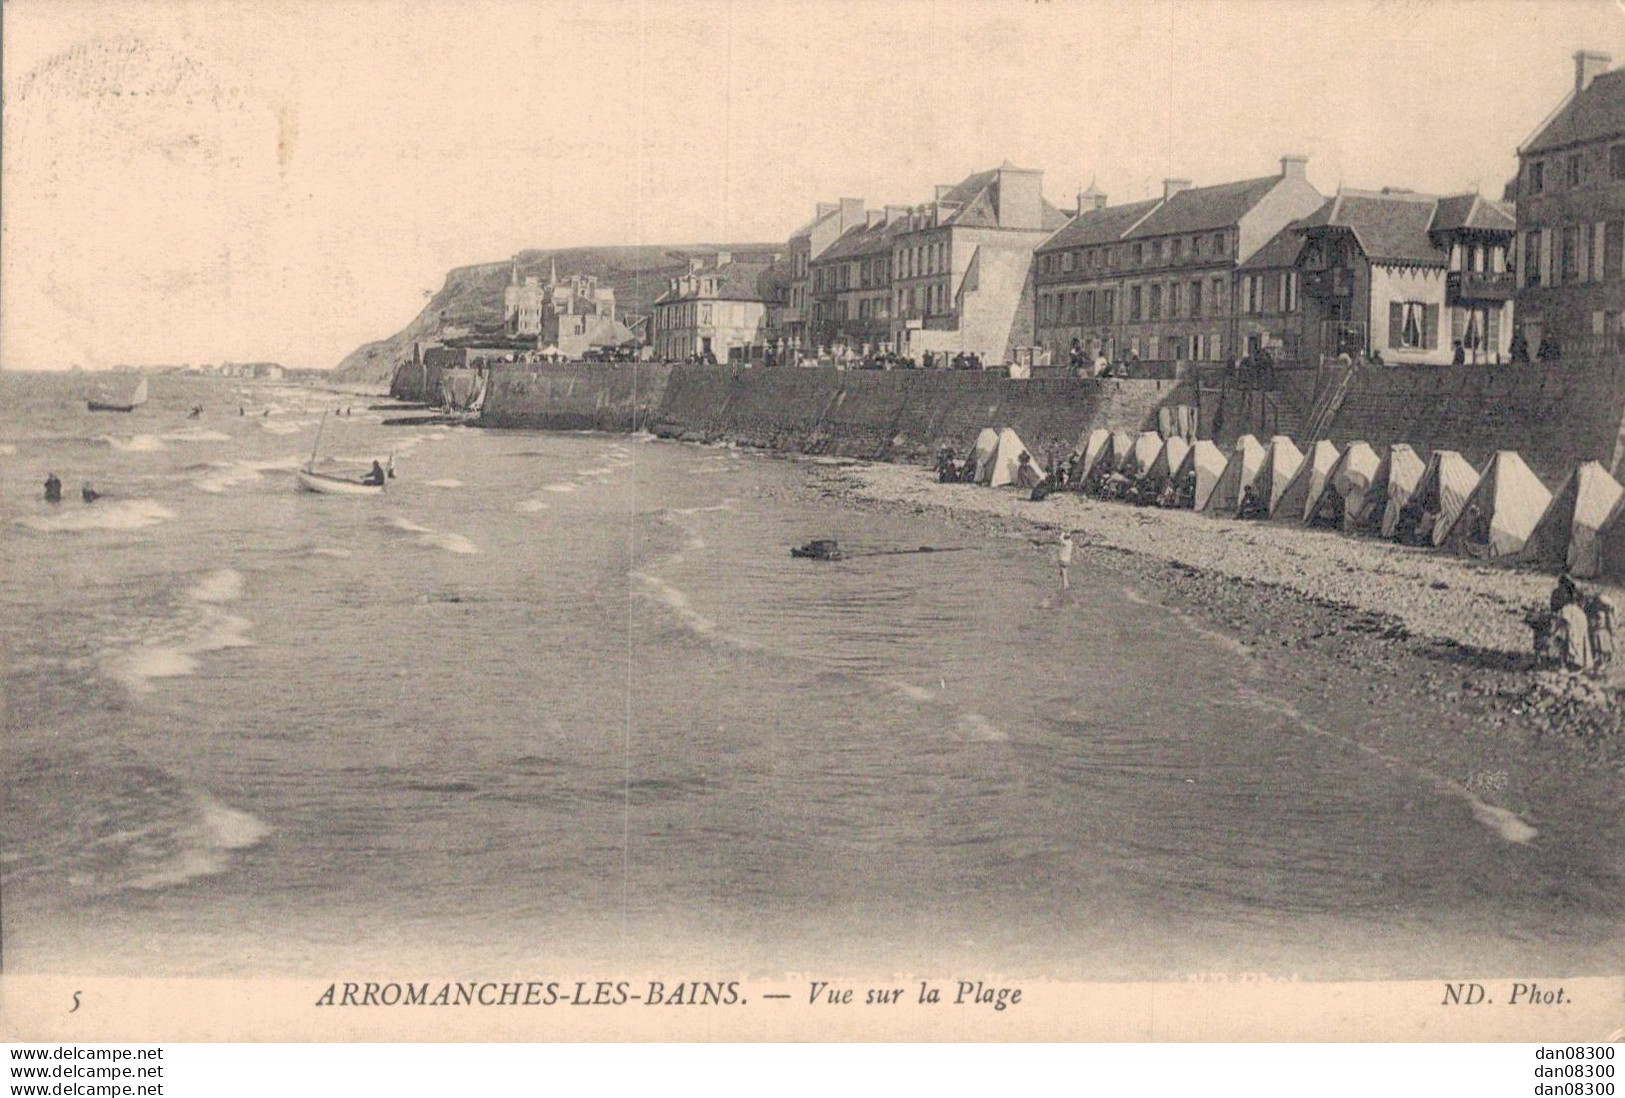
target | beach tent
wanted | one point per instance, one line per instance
(1166, 463)
(1401, 471)
(981, 453)
(1093, 447)
(1202, 467)
(1502, 510)
(1118, 451)
(1306, 484)
(1005, 468)
(1246, 458)
(1566, 535)
(1343, 492)
(1442, 492)
(1281, 461)
(1144, 451)
(1611, 547)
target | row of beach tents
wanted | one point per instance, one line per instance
(1502, 512)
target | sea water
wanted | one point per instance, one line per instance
(566, 700)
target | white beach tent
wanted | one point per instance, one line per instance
(1307, 484)
(1281, 460)
(1343, 494)
(1442, 492)
(1501, 511)
(1166, 463)
(1093, 447)
(1005, 468)
(1246, 458)
(1611, 547)
(1567, 534)
(1118, 452)
(981, 453)
(1398, 477)
(1147, 444)
(1204, 464)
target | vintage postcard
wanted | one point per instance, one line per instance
(861, 521)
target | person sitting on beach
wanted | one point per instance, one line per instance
(1477, 544)
(375, 475)
(1251, 507)
(1565, 592)
(196, 412)
(53, 488)
(1422, 533)
(88, 494)
(1026, 472)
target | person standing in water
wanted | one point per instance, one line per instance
(1064, 555)
(53, 488)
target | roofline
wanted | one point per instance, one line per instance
(1523, 146)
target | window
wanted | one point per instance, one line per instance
(1218, 244)
(1537, 176)
(1613, 245)
(1531, 258)
(1066, 261)
(1134, 303)
(1252, 294)
(705, 314)
(1616, 162)
(1196, 298)
(1156, 302)
(1289, 291)
(1215, 297)
(1139, 255)
(1570, 254)
(1196, 247)
(1572, 174)
(1108, 307)
(1413, 325)
(1176, 299)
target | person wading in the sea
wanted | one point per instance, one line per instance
(1064, 555)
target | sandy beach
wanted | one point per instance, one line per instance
(1428, 651)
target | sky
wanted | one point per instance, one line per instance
(190, 181)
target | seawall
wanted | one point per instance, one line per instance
(585, 397)
(898, 415)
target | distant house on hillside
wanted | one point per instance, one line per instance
(558, 312)
(1571, 219)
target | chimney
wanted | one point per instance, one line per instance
(1294, 166)
(1588, 65)
(1171, 187)
(895, 214)
(942, 189)
(724, 258)
(871, 218)
(824, 209)
(695, 263)
(851, 213)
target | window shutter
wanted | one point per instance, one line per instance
(1521, 242)
(1546, 250)
(1430, 327)
(1492, 330)
(1396, 323)
(1582, 258)
(1458, 323)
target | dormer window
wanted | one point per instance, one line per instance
(1573, 173)
(1537, 176)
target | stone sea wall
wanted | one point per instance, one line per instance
(584, 397)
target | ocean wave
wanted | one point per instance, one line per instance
(281, 427)
(531, 506)
(444, 482)
(329, 551)
(124, 514)
(7, 448)
(220, 585)
(195, 434)
(451, 543)
(138, 444)
(164, 658)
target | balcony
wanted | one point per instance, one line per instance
(1336, 282)
(1493, 286)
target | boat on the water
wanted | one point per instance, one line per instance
(326, 484)
(136, 400)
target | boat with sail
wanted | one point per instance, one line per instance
(327, 484)
(136, 400)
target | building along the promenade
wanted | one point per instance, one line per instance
(1571, 219)
(1168, 273)
(851, 284)
(1408, 277)
(961, 267)
(1074, 307)
(718, 310)
(830, 221)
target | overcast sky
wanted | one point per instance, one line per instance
(192, 182)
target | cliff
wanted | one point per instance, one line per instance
(471, 298)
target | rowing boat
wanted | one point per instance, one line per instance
(335, 486)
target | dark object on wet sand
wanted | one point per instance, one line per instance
(89, 494)
(818, 549)
(53, 488)
(425, 421)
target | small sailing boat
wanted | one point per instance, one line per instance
(326, 483)
(137, 399)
